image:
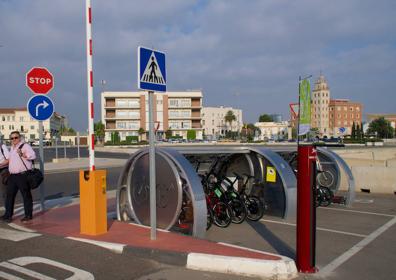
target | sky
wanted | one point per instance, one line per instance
(244, 54)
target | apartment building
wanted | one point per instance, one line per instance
(127, 112)
(320, 106)
(329, 115)
(344, 113)
(19, 119)
(214, 123)
(273, 130)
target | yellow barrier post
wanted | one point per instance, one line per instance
(93, 202)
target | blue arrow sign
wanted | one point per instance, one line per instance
(40, 107)
(342, 129)
(151, 70)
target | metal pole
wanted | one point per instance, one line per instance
(298, 116)
(78, 145)
(153, 199)
(56, 147)
(90, 87)
(41, 152)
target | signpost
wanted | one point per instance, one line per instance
(151, 77)
(40, 81)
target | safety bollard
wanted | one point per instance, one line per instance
(306, 210)
(93, 202)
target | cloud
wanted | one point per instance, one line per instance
(246, 54)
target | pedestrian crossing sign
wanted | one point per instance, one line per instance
(151, 70)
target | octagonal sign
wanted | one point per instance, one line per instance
(39, 80)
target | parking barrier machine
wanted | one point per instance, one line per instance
(181, 204)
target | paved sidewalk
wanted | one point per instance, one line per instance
(176, 249)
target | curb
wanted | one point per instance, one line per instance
(282, 269)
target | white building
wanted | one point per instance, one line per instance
(19, 119)
(320, 106)
(127, 112)
(214, 123)
(273, 130)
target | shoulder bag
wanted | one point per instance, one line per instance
(34, 176)
(5, 174)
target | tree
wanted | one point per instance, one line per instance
(361, 131)
(381, 128)
(168, 134)
(353, 133)
(265, 118)
(191, 134)
(99, 129)
(250, 130)
(141, 131)
(229, 118)
(358, 132)
(67, 131)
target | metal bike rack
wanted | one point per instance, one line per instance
(176, 176)
(331, 162)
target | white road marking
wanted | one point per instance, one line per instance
(355, 249)
(318, 228)
(14, 235)
(356, 211)
(25, 271)
(7, 276)
(115, 247)
(21, 228)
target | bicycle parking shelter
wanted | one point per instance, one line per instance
(177, 172)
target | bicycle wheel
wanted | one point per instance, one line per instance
(255, 208)
(325, 178)
(238, 209)
(221, 214)
(326, 195)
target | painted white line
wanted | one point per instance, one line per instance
(144, 226)
(14, 235)
(21, 228)
(7, 276)
(355, 249)
(250, 249)
(318, 228)
(356, 211)
(25, 271)
(268, 269)
(115, 247)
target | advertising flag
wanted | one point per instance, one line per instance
(305, 107)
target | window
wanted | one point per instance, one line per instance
(345, 108)
(128, 103)
(3, 118)
(179, 113)
(20, 119)
(128, 125)
(357, 109)
(8, 118)
(338, 108)
(127, 114)
(357, 116)
(32, 127)
(350, 108)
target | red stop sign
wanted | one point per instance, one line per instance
(39, 80)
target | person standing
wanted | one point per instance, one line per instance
(20, 160)
(4, 155)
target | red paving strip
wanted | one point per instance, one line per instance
(65, 222)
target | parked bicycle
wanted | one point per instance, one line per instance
(254, 206)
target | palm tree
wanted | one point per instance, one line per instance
(141, 131)
(229, 118)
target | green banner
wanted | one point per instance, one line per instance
(305, 107)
